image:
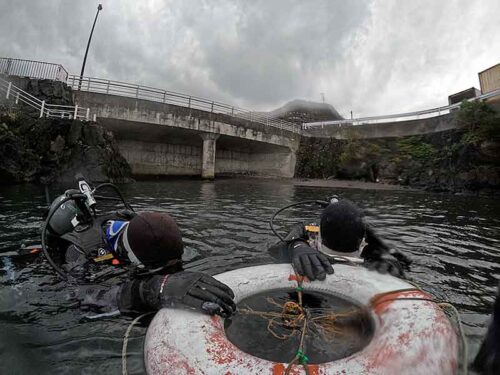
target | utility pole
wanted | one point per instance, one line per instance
(322, 96)
(99, 8)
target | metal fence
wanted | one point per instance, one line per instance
(428, 113)
(33, 69)
(105, 86)
(11, 92)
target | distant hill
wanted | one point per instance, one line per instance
(300, 111)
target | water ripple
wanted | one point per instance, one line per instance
(452, 240)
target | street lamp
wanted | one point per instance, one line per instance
(99, 8)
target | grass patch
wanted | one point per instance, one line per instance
(416, 148)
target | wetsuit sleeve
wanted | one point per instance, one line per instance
(280, 250)
(375, 247)
(99, 299)
(129, 298)
(379, 256)
(139, 296)
(76, 263)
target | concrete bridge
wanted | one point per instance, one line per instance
(165, 139)
(385, 129)
(427, 121)
(161, 132)
(165, 133)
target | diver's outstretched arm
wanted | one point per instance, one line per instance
(194, 290)
(379, 256)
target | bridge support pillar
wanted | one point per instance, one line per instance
(208, 155)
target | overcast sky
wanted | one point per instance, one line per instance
(372, 57)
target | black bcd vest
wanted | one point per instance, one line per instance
(92, 240)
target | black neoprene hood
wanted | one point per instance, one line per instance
(155, 238)
(342, 227)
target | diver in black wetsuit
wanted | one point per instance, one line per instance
(342, 233)
(151, 245)
(146, 246)
(487, 361)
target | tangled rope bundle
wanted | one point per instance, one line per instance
(292, 318)
(328, 324)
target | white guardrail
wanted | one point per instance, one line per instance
(32, 69)
(105, 86)
(16, 94)
(38, 69)
(428, 113)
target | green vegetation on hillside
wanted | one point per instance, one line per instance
(480, 122)
(416, 148)
(463, 159)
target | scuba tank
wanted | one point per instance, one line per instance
(64, 217)
(75, 209)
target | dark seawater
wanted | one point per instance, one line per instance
(453, 241)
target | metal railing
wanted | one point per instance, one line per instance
(105, 86)
(18, 95)
(428, 113)
(32, 69)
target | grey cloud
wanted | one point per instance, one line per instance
(412, 55)
(371, 56)
(278, 47)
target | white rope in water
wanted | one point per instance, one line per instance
(125, 341)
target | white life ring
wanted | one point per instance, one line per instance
(411, 337)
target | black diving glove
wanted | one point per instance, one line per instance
(309, 262)
(387, 263)
(197, 290)
(297, 232)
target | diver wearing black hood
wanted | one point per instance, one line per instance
(146, 248)
(342, 233)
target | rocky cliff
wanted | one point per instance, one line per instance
(34, 149)
(48, 150)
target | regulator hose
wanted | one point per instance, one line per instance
(53, 264)
(271, 222)
(117, 191)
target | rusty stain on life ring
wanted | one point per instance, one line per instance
(293, 277)
(381, 302)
